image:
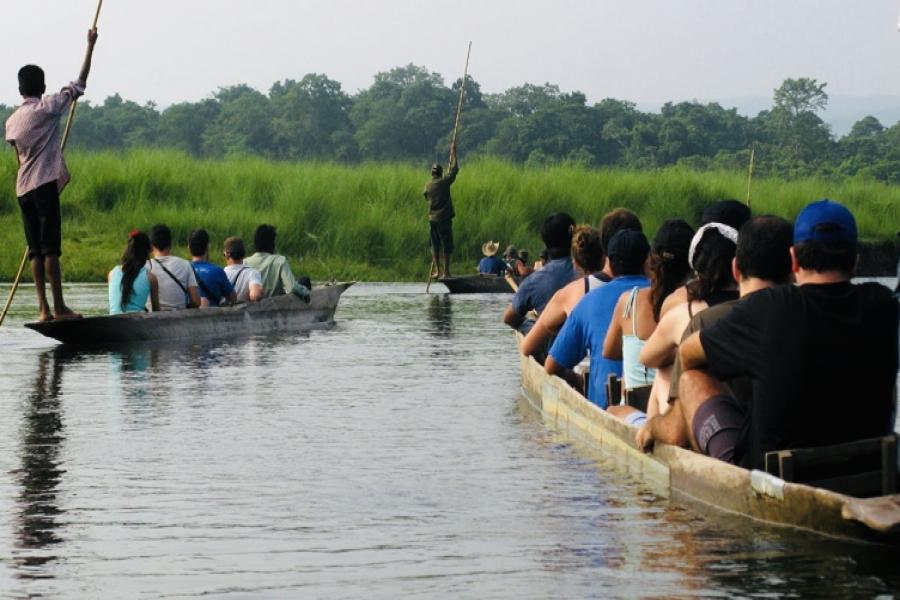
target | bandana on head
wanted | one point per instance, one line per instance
(729, 232)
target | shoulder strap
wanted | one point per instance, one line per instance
(206, 291)
(170, 274)
(587, 284)
(237, 277)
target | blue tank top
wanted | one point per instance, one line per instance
(139, 293)
(634, 373)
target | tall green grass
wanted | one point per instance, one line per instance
(369, 221)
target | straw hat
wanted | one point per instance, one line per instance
(490, 248)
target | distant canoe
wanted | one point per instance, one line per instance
(478, 284)
(679, 473)
(278, 314)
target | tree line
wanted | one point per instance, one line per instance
(407, 115)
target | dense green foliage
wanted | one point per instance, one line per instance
(407, 115)
(367, 221)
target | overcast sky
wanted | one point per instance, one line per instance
(642, 50)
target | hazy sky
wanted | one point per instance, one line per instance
(642, 50)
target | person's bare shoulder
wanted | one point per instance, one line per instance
(677, 297)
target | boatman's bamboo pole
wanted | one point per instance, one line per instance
(71, 118)
(62, 145)
(750, 175)
(459, 105)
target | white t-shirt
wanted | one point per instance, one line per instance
(171, 296)
(241, 277)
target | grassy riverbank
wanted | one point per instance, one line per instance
(368, 222)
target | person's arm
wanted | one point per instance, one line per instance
(612, 345)
(154, 292)
(667, 429)
(256, 292)
(659, 350)
(453, 168)
(88, 55)
(194, 300)
(692, 354)
(512, 318)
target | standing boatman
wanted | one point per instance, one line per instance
(440, 214)
(33, 130)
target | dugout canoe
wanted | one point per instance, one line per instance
(279, 314)
(697, 479)
(478, 284)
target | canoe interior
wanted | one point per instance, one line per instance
(681, 474)
(478, 284)
(278, 314)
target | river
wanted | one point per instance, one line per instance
(389, 455)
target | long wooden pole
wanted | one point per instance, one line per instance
(462, 94)
(62, 145)
(71, 118)
(750, 175)
(15, 286)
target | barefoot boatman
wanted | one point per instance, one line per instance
(33, 130)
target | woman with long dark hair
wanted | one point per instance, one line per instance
(131, 283)
(638, 311)
(711, 252)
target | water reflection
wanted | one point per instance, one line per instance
(440, 315)
(43, 434)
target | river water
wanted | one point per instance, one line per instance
(390, 455)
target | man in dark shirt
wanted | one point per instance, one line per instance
(822, 356)
(538, 288)
(440, 213)
(762, 260)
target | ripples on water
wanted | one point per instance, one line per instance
(387, 456)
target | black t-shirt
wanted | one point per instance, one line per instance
(822, 359)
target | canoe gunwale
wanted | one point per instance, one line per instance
(680, 473)
(280, 313)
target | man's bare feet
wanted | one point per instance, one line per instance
(66, 314)
(45, 317)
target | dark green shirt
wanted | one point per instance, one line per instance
(437, 192)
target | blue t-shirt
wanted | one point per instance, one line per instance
(491, 265)
(212, 281)
(537, 289)
(585, 330)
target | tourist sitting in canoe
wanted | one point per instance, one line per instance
(131, 284)
(215, 289)
(822, 356)
(491, 264)
(588, 257)
(246, 281)
(711, 253)
(585, 330)
(536, 290)
(762, 260)
(515, 265)
(728, 212)
(277, 277)
(589, 254)
(637, 311)
(177, 282)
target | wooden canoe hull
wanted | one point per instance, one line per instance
(478, 284)
(679, 473)
(279, 314)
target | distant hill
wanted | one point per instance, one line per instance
(842, 113)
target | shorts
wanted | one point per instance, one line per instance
(636, 418)
(40, 215)
(717, 427)
(442, 236)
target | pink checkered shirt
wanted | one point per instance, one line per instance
(34, 129)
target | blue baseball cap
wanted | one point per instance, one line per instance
(841, 226)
